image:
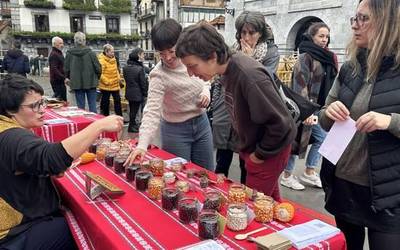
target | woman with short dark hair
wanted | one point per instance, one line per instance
(255, 39)
(176, 102)
(30, 206)
(260, 117)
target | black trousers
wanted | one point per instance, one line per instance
(48, 234)
(133, 110)
(355, 236)
(59, 89)
(224, 160)
(105, 102)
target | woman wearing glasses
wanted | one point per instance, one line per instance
(29, 204)
(363, 188)
(176, 102)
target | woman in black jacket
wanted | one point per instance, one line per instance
(136, 86)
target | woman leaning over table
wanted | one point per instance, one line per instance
(29, 204)
(259, 116)
(177, 103)
(255, 39)
(363, 188)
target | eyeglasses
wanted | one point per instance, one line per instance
(37, 106)
(359, 19)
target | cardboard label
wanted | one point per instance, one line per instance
(101, 185)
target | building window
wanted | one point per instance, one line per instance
(77, 24)
(112, 24)
(42, 23)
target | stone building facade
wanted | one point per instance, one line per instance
(290, 18)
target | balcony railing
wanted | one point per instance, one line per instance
(142, 12)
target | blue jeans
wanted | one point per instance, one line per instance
(313, 156)
(191, 140)
(91, 97)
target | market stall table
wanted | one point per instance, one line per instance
(134, 221)
(58, 127)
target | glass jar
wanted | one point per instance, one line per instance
(130, 172)
(109, 158)
(93, 146)
(157, 166)
(237, 193)
(204, 182)
(169, 199)
(101, 152)
(213, 200)
(142, 178)
(236, 217)
(169, 177)
(208, 225)
(264, 209)
(176, 165)
(156, 184)
(119, 164)
(188, 211)
(183, 186)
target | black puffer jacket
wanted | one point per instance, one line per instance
(136, 82)
(16, 62)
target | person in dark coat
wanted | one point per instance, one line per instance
(15, 61)
(56, 63)
(136, 86)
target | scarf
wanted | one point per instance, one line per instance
(259, 53)
(328, 62)
(7, 123)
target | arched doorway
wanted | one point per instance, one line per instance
(298, 29)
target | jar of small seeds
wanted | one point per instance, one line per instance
(157, 166)
(142, 178)
(119, 164)
(237, 193)
(213, 200)
(188, 210)
(208, 224)
(169, 199)
(264, 209)
(236, 217)
(156, 184)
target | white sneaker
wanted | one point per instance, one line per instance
(312, 179)
(291, 182)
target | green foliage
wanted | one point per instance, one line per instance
(87, 5)
(115, 6)
(39, 4)
(89, 37)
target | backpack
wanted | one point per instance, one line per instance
(299, 107)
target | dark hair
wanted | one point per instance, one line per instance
(13, 90)
(255, 19)
(314, 28)
(165, 34)
(202, 40)
(17, 44)
(134, 55)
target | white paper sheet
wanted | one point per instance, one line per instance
(337, 140)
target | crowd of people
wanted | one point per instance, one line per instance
(248, 116)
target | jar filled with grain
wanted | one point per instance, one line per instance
(237, 193)
(264, 209)
(156, 184)
(236, 217)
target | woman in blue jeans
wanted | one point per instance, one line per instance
(177, 103)
(313, 76)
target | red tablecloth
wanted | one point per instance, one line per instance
(58, 132)
(134, 221)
